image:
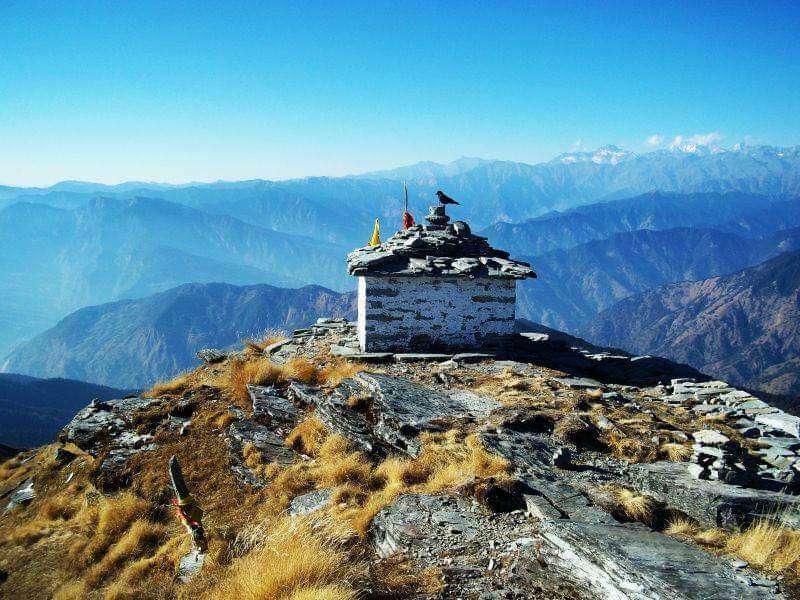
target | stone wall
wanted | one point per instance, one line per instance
(432, 313)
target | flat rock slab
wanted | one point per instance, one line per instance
(402, 409)
(101, 419)
(414, 519)
(629, 561)
(266, 403)
(369, 357)
(310, 502)
(271, 447)
(711, 503)
(782, 421)
(578, 383)
(421, 357)
(472, 357)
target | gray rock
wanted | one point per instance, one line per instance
(782, 421)
(267, 403)
(710, 503)
(402, 409)
(711, 437)
(310, 502)
(271, 447)
(21, 495)
(413, 519)
(211, 355)
(632, 562)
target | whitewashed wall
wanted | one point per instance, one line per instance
(429, 313)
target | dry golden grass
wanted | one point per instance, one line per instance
(176, 385)
(768, 546)
(630, 448)
(714, 537)
(675, 452)
(237, 373)
(361, 488)
(333, 373)
(681, 527)
(260, 343)
(626, 504)
(142, 538)
(103, 522)
(307, 436)
(293, 558)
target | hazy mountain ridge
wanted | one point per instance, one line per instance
(743, 327)
(490, 190)
(573, 285)
(746, 214)
(134, 343)
(58, 260)
(33, 410)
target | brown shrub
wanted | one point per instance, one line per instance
(176, 385)
(314, 563)
(307, 437)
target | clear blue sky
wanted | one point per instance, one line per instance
(171, 91)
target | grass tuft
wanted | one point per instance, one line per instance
(293, 558)
(675, 452)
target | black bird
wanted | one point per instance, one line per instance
(445, 199)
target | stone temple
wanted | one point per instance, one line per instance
(434, 287)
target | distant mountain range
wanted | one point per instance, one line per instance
(490, 190)
(55, 261)
(743, 328)
(573, 285)
(134, 343)
(735, 212)
(33, 410)
(80, 244)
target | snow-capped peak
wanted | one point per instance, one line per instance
(605, 155)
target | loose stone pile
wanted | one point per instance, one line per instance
(436, 249)
(777, 434)
(719, 458)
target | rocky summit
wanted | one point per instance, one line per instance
(540, 467)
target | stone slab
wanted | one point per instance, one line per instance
(711, 503)
(631, 562)
(782, 421)
(310, 502)
(421, 357)
(267, 403)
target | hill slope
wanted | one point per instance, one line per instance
(573, 285)
(743, 327)
(744, 214)
(134, 343)
(33, 410)
(56, 261)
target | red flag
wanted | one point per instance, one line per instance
(408, 220)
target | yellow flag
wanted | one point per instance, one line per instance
(376, 235)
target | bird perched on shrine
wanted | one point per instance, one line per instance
(445, 199)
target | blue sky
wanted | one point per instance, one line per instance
(195, 91)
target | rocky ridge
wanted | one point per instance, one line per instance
(549, 531)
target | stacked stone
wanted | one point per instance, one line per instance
(718, 458)
(437, 217)
(440, 248)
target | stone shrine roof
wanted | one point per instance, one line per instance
(436, 249)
